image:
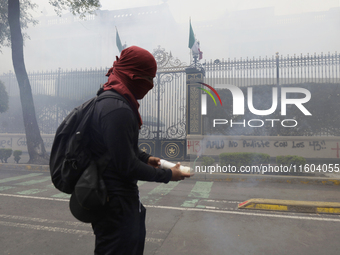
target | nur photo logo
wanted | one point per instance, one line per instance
(238, 100)
(204, 97)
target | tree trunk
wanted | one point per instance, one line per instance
(35, 144)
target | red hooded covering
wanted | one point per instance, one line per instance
(125, 75)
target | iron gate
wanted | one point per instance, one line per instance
(163, 110)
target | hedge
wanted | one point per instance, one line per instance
(243, 159)
(5, 154)
(207, 161)
(16, 155)
(292, 160)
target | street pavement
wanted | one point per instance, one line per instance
(194, 216)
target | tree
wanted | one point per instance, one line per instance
(3, 98)
(81, 7)
(35, 145)
(25, 19)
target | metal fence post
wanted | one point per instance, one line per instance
(57, 95)
(277, 69)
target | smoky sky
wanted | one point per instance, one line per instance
(225, 29)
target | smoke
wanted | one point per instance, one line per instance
(225, 29)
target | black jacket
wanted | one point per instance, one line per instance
(114, 128)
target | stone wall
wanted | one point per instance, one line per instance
(18, 141)
(307, 147)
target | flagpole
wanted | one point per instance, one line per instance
(190, 51)
(190, 56)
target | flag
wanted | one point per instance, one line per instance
(118, 42)
(194, 45)
(191, 37)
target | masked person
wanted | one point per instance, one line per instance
(114, 128)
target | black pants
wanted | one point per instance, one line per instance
(121, 229)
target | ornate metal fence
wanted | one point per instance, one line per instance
(73, 84)
(163, 110)
(274, 70)
(316, 72)
(57, 92)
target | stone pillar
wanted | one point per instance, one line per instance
(193, 114)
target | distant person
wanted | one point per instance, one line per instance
(115, 128)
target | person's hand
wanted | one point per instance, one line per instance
(154, 161)
(177, 174)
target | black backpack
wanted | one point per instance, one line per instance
(70, 154)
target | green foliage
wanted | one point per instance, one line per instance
(3, 98)
(243, 159)
(290, 160)
(207, 161)
(25, 19)
(17, 154)
(5, 154)
(81, 7)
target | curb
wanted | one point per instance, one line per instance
(20, 167)
(253, 178)
(291, 206)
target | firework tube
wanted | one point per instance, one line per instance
(167, 165)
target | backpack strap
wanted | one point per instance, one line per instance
(103, 161)
(112, 94)
(116, 95)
